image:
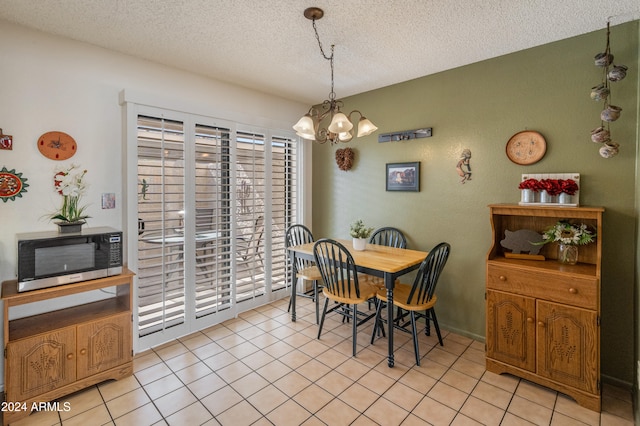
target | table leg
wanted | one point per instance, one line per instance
(388, 283)
(294, 283)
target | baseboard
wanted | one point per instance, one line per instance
(464, 333)
(617, 382)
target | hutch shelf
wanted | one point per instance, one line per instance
(543, 317)
(53, 354)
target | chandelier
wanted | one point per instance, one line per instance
(340, 127)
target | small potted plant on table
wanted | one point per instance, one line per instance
(359, 232)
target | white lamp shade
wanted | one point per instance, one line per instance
(345, 136)
(340, 124)
(308, 136)
(305, 127)
(365, 127)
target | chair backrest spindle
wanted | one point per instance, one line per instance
(295, 236)
(424, 285)
(388, 236)
(337, 268)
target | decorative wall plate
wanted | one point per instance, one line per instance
(12, 184)
(57, 145)
(527, 147)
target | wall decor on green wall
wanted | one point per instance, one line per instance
(403, 177)
(602, 92)
(344, 158)
(463, 167)
(526, 147)
(405, 135)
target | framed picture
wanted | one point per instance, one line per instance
(403, 176)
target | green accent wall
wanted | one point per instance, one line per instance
(479, 107)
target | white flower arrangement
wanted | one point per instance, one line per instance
(564, 232)
(72, 188)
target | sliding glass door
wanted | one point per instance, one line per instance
(214, 200)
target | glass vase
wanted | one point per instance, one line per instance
(567, 254)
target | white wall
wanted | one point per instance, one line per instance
(50, 83)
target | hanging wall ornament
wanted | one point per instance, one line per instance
(344, 158)
(6, 141)
(602, 92)
(464, 167)
(12, 184)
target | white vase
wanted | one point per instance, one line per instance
(359, 244)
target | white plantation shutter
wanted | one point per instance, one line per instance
(284, 206)
(161, 183)
(212, 214)
(214, 203)
(250, 215)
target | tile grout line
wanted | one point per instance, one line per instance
(284, 332)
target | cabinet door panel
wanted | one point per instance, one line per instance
(104, 344)
(511, 329)
(40, 364)
(568, 339)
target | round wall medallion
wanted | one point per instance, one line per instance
(527, 147)
(57, 145)
(12, 184)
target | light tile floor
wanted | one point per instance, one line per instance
(263, 369)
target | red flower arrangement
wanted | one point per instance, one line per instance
(532, 184)
(568, 186)
(552, 186)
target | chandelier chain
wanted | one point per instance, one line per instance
(332, 94)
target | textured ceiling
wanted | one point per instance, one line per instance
(269, 46)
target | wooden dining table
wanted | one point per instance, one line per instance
(380, 261)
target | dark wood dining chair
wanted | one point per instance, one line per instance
(305, 269)
(388, 236)
(341, 285)
(417, 300)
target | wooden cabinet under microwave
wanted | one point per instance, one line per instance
(56, 353)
